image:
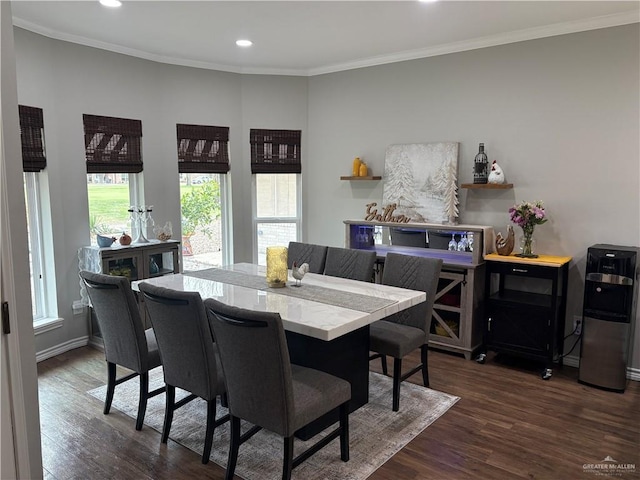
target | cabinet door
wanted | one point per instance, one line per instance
(448, 309)
(519, 329)
(124, 264)
(160, 261)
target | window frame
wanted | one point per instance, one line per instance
(297, 220)
(36, 246)
(114, 145)
(204, 149)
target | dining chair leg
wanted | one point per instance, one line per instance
(287, 465)
(344, 432)
(144, 396)
(397, 379)
(425, 365)
(168, 412)
(211, 427)
(111, 386)
(383, 360)
(234, 424)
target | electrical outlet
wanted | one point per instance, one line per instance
(577, 325)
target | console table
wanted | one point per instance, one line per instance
(456, 324)
(136, 262)
(525, 307)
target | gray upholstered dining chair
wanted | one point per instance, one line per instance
(407, 330)
(189, 356)
(314, 255)
(350, 263)
(126, 342)
(265, 389)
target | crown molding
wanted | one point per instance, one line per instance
(595, 23)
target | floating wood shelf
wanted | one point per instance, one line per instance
(487, 186)
(361, 178)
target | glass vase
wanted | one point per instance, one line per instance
(277, 271)
(527, 243)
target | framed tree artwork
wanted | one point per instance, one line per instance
(421, 179)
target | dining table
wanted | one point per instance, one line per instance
(326, 319)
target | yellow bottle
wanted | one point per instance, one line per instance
(363, 171)
(356, 166)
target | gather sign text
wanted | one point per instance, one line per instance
(386, 215)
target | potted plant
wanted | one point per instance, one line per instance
(200, 207)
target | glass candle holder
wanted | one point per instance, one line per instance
(277, 271)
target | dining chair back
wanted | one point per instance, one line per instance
(350, 263)
(126, 342)
(266, 390)
(188, 353)
(407, 330)
(314, 255)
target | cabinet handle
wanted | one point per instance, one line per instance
(489, 325)
(521, 270)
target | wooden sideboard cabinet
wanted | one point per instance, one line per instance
(456, 323)
(525, 307)
(136, 262)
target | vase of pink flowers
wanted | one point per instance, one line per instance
(527, 215)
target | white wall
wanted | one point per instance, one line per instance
(269, 102)
(67, 80)
(560, 115)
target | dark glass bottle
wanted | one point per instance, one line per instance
(481, 166)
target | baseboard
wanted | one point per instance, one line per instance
(633, 374)
(63, 347)
(574, 361)
(571, 361)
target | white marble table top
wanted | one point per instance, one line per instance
(307, 317)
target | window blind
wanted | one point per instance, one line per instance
(202, 148)
(112, 145)
(275, 151)
(32, 138)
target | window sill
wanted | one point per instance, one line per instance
(47, 324)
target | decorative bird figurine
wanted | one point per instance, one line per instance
(504, 246)
(496, 175)
(299, 272)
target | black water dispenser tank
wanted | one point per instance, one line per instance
(609, 311)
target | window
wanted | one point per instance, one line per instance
(203, 161)
(34, 232)
(33, 162)
(275, 163)
(113, 159)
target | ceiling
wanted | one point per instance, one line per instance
(309, 37)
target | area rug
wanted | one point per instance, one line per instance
(376, 432)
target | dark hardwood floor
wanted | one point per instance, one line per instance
(509, 424)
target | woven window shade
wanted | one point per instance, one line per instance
(275, 151)
(202, 149)
(32, 139)
(112, 145)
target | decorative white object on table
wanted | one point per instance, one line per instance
(299, 272)
(495, 175)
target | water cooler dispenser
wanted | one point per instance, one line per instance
(610, 302)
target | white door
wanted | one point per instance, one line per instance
(20, 431)
(7, 449)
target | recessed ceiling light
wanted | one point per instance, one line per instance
(111, 3)
(244, 43)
